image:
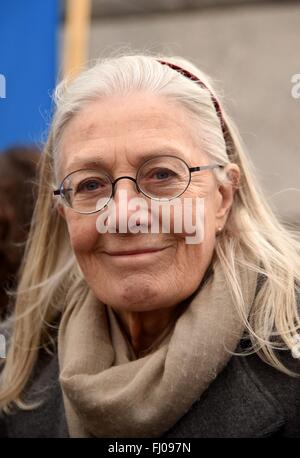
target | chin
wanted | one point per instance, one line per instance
(135, 296)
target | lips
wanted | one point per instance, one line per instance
(134, 252)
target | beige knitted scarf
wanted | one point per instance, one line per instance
(108, 392)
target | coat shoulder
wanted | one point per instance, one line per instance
(43, 388)
(249, 398)
(48, 419)
(280, 388)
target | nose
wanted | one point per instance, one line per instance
(126, 185)
(123, 193)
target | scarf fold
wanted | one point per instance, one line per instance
(108, 392)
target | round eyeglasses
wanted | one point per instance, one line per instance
(163, 178)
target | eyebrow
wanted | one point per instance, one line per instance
(97, 161)
(82, 163)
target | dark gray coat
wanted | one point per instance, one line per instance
(247, 399)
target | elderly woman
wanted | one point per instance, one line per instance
(123, 330)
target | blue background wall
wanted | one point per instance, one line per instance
(28, 61)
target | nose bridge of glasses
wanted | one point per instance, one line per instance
(122, 197)
(126, 187)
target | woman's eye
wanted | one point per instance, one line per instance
(162, 174)
(91, 185)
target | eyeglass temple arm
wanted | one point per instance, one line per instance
(57, 192)
(204, 167)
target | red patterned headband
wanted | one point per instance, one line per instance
(192, 77)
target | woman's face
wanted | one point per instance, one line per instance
(122, 133)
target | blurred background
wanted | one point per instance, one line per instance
(250, 48)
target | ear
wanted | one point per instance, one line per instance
(225, 194)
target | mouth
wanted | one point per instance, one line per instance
(138, 252)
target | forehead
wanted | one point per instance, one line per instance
(128, 129)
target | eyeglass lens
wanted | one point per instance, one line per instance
(159, 178)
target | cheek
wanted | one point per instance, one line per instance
(194, 258)
(194, 220)
(82, 231)
(195, 249)
(195, 246)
